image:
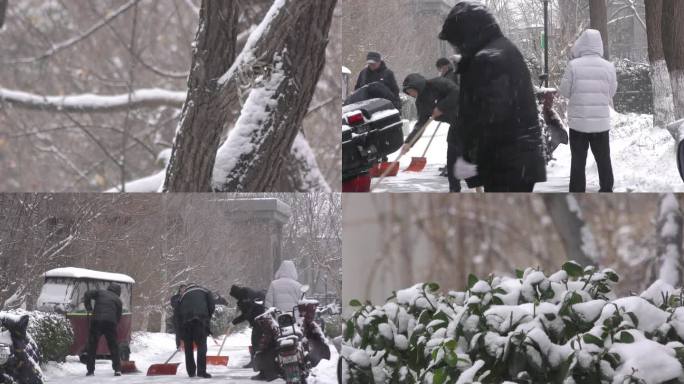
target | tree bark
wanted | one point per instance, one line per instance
(669, 227)
(3, 12)
(256, 150)
(663, 107)
(673, 48)
(598, 17)
(202, 120)
(574, 232)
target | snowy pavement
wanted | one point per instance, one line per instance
(153, 348)
(643, 157)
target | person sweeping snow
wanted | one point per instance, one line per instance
(498, 116)
(436, 98)
(590, 83)
(106, 316)
(195, 308)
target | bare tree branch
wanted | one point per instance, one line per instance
(141, 98)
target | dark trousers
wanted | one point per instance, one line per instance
(108, 330)
(453, 153)
(600, 147)
(195, 333)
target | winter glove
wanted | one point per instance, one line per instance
(464, 170)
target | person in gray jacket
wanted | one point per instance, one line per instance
(590, 83)
(285, 291)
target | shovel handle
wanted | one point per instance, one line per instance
(230, 328)
(413, 142)
(431, 139)
(171, 357)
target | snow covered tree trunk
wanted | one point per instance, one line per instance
(669, 226)
(302, 173)
(203, 120)
(578, 239)
(598, 17)
(3, 12)
(254, 155)
(663, 107)
(673, 47)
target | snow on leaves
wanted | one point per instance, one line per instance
(566, 327)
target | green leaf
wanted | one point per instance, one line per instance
(519, 273)
(591, 339)
(432, 287)
(451, 344)
(626, 338)
(472, 280)
(355, 304)
(440, 376)
(573, 269)
(635, 319)
(612, 276)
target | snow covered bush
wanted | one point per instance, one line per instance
(567, 327)
(221, 320)
(52, 334)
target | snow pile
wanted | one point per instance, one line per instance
(566, 327)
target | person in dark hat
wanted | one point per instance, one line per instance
(106, 314)
(377, 71)
(194, 310)
(446, 69)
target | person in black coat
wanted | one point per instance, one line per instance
(446, 69)
(498, 119)
(106, 315)
(377, 71)
(250, 304)
(177, 325)
(195, 308)
(437, 98)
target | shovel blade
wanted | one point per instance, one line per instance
(128, 367)
(163, 369)
(417, 164)
(217, 360)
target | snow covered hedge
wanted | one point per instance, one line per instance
(536, 328)
(51, 332)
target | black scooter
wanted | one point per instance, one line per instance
(19, 354)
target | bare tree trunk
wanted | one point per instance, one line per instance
(598, 16)
(3, 12)
(663, 107)
(673, 47)
(202, 121)
(669, 227)
(255, 152)
(574, 232)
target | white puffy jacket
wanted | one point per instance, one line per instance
(590, 82)
(285, 290)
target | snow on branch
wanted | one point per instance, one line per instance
(670, 222)
(141, 98)
(304, 173)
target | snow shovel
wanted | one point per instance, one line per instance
(128, 367)
(165, 369)
(220, 360)
(419, 163)
(411, 144)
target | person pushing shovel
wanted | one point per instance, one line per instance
(106, 315)
(437, 98)
(194, 310)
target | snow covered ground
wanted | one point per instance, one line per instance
(644, 160)
(152, 348)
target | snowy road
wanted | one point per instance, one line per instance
(150, 348)
(643, 161)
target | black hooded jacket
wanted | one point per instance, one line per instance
(438, 92)
(498, 120)
(108, 306)
(195, 303)
(250, 303)
(383, 75)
